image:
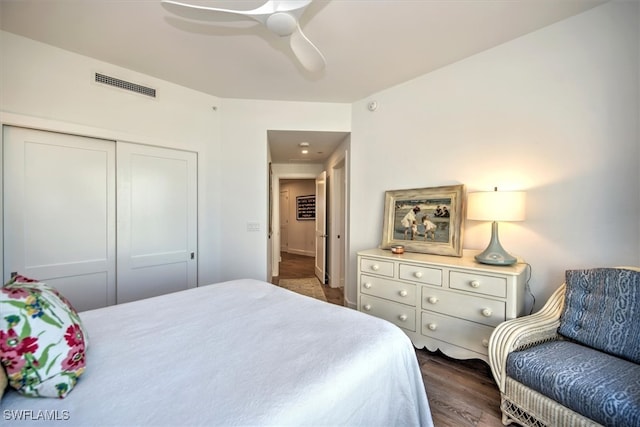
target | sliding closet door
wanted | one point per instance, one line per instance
(59, 213)
(157, 215)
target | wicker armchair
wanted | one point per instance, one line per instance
(520, 403)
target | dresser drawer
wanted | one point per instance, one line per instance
(404, 293)
(459, 332)
(376, 266)
(416, 273)
(477, 309)
(398, 314)
(478, 283)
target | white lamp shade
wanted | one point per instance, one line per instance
(496, 206)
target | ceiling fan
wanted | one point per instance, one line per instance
(280, 17)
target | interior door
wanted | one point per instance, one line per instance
(59, 213)
(284, 220)
(337, 250)
(157, 221)
(321, 227)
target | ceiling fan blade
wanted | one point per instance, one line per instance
(279, 16)
(307, 53)
(294, 8)
(202, 13)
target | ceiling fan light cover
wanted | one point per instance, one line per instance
(281, 23)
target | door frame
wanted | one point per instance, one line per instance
(275, 213)
(274, 242)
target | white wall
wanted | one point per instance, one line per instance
(49, 88)
(554, 113)
(244, 170)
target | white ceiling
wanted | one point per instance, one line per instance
(369, 45)
(285, 145)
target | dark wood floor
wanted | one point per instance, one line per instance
(295, 266)
(461, 393)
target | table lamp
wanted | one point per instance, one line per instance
(496, 206)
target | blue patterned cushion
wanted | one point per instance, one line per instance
(602, 310)
(603, 388)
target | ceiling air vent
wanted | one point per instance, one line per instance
(133, 87)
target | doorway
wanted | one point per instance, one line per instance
(297, 231)
(305, 155)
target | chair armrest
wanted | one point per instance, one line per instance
(524, 332)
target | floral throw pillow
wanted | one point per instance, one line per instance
(42, 340)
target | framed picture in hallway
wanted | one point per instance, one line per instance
(306, 208)
(426, 220)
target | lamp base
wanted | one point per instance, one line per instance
(494, 253)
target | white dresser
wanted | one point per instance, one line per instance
(441, 302)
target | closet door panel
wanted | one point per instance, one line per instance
(59, 213)
(157, 214)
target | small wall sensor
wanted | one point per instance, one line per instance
(372, 105)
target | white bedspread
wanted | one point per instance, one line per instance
(236, 353)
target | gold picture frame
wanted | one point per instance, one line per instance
(425, 220)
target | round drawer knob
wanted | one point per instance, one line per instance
(403, 293)
(474, 284)
(432, 300)
(432, 326)
(486, 312)
(485, 342)
(375, 267)
(367, 307)
(418, 274)
(367, 285)
(403, 317)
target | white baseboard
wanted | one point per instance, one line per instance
(301, 252)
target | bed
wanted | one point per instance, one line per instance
(242, 352)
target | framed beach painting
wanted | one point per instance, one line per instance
(426, 220)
